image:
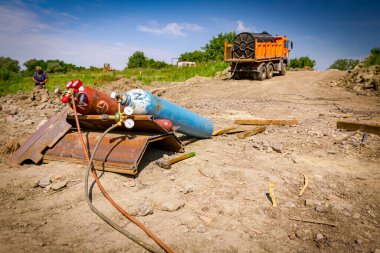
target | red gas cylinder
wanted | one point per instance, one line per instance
(91, 101)
(165, 124)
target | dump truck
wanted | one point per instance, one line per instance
(257, 55)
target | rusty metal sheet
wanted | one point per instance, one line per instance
(118, 152)
(46, 136)
(143, 123)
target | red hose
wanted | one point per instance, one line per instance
(107, 196)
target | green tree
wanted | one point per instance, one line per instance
(373, 58)
(151, 63)
(32, 64)
(215, 48)
(137, 60)
(9, 64)
(195, 56)
(302, 62)
(344, 64)
(56, 66)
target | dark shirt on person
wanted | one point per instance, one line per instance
(40, 77)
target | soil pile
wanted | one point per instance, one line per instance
(362, 80)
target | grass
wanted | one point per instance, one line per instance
(98, 78)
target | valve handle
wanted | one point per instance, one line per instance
(76, 84)
(69, 84)
(65, 99)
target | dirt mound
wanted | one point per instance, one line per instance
(362, 80)
(22, 113)
(122, 84)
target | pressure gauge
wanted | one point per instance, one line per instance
(129, 123)
(128, 110)
(113, 94)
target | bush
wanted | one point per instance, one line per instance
(344, 64)
(302, 62)
(373, 58)
(139, 60)
(9, 64)
(212, 51)
(195, 56)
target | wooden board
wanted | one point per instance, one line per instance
(251, 132)
(354, 126)
(267, 122)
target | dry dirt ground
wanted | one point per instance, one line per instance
(222, 192)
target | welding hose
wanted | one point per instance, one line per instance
(108, 197)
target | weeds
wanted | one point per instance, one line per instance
(97, 79)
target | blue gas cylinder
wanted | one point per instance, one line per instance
(189, 123)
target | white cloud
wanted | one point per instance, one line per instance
(242, 28)
(17, 20)
(23, 36)
(173, 29)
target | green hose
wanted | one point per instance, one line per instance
(101, 215)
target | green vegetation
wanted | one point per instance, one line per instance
(344, 64)
(212, 51)
(209, 62)
(139, 60)
(95, 77)
(373, 58)
(302, 62)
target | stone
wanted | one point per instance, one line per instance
(172, 205)
(333, 197)
(290, 204)
(312, 202)
(356, 216)
(58, 185)
(57, 178)
(44, 182)
(359, 241)
(377, 251)
(319, 237)
(172, 177)
(144, 209)
(305, 234)
(130, 183)
(206, 219)
(322, 208)
(186, 188)
(278, 147)
(201, 228)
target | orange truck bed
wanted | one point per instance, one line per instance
(256, 48)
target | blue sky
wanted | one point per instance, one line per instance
(90, 33)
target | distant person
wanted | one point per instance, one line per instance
(40, 78)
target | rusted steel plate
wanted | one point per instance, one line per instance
(143, 123)
(46, 136)
(118, 152)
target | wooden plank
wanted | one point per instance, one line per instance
(222, 131)
(267, 122)
(354, 126)
(251, 132)
(237, 130)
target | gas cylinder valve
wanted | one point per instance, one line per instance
(122, 117)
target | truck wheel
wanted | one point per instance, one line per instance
(262, 73)
(269, 71)
(236, 76)
(283, 69)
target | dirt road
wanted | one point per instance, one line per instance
(222, 192)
